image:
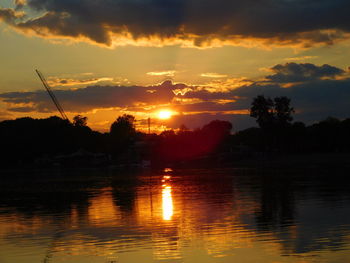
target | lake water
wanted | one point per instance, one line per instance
(219, 215)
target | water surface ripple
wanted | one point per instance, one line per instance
(218, 215)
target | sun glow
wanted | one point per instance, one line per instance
(164, 114)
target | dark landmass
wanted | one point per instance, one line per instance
(54, 142)
(28, 142)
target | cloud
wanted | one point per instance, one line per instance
(213, 75)
(10, 15)
(300, 58)
(314, 100)
(190, 23)
(92, 97)
(53, 82)
(5, 115)
(168, 73)
(22, 109)
(319, 95)
(20, 3)
(294, 72)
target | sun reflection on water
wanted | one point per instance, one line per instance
(167, 199)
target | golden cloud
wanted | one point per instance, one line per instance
(302, 58)
(168, 73)
(213, 75)
(52, 81)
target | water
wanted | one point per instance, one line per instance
(222, 215)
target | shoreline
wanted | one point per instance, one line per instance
(261, 161)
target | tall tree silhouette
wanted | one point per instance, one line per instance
(283, 111)
(122, 134)
(262, 111)
(271, 113)
(123, 129)
(274, 117)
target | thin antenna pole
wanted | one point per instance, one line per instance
(149, 125)
(52, 95)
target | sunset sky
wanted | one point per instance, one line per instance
(200, 59)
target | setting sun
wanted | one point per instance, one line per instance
(164, 114)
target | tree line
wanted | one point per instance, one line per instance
(277, 132)
(25, 140)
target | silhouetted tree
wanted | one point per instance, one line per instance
(188, 145)
(26, 140)
(270, 113)
(223, 128)
(262, 111)
(251, 137)
(122, 135)
(80, 121)
(283, 111)
(215, 134)
(123, 127)
(274, 116)
(167, 133)
(325, 135)
(182, 129)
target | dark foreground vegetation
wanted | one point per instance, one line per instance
(28, 142)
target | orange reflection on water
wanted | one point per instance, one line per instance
(102, 210)
(213, 219)
(167, 200)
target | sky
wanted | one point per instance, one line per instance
(201, 60)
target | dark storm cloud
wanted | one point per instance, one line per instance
(294, 72)
(286, 22)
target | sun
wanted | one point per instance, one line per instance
(164, 114)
